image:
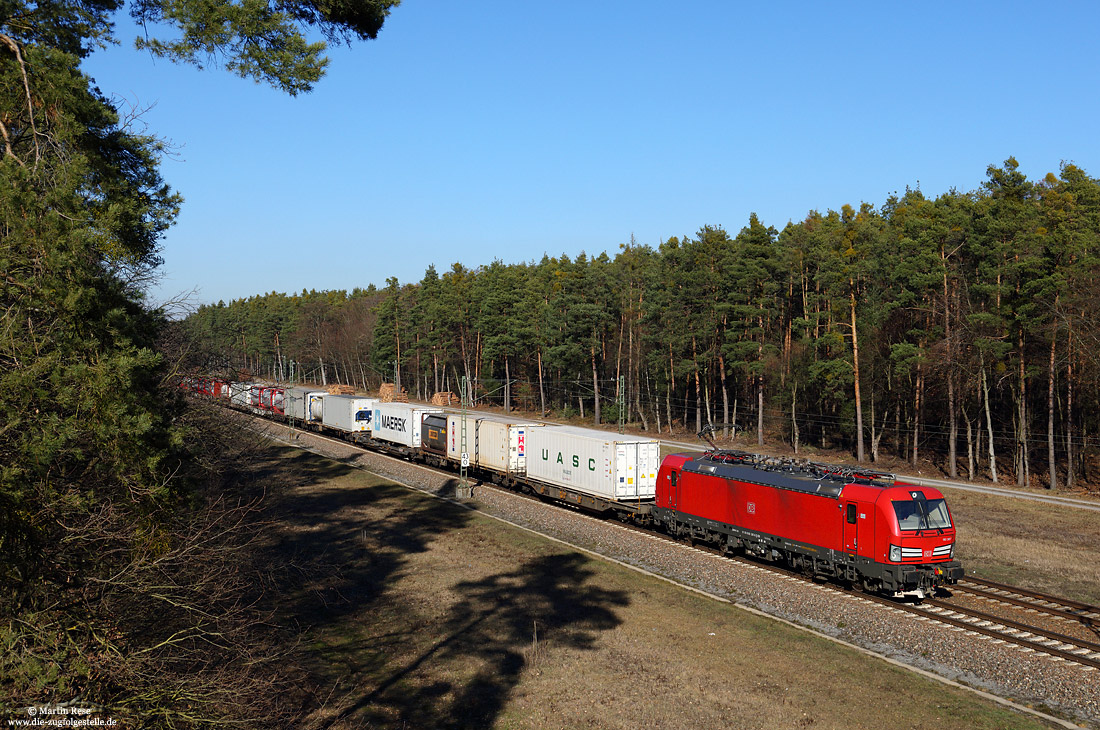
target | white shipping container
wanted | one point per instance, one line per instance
(493, 442)
(298, 403)
(599, 463)
(348, 413)
(399, 423)
(240, 394)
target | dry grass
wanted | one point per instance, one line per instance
(1027, 543)
(430, 616)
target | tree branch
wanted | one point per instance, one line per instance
(10, 43)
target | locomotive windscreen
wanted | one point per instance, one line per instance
(922, 514)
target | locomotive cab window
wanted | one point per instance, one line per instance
(922, 514)
(672, 476)
(851, 514)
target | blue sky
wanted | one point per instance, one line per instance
(473, 131)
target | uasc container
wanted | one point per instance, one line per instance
(599, 463)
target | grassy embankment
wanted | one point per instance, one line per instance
(417, 613)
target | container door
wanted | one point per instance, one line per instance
(517, 452)
(851, 527)
(626, 470)
(648, 466)
(632, 473)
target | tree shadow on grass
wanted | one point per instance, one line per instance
(336, 547)
(499, 627)
(336, 552)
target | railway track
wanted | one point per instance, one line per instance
(1025, 636)
(1069, 610)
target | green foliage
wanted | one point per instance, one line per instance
(259, 39)
(940, 288)
(104, 592)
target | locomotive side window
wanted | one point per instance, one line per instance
(851, 514)
(673, 477)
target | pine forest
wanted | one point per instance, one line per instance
(960, 331)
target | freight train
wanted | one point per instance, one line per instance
(857, 526)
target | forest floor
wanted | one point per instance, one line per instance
(417, 613)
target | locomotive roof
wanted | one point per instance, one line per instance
(827, 480)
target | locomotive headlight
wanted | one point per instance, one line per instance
(895, 554)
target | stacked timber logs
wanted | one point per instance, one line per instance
(389, 393)
(444, 398)
(341, 390)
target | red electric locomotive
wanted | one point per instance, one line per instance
(854, 525)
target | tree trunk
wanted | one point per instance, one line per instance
(670, 387)
(759, 410)
(542, 389)
(855, 370)
(953, 428)
(918, 396)
(953, 424)
(969, 446)
(989, 426)
(668, 406)
(649, 399)
(507, 387)
(595, 387)
(1023, 476)
(725, 398)
(477, 367)
(877, 438)
(1052, 464)
(794, 420)
(1069, 410)
(698, 389)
